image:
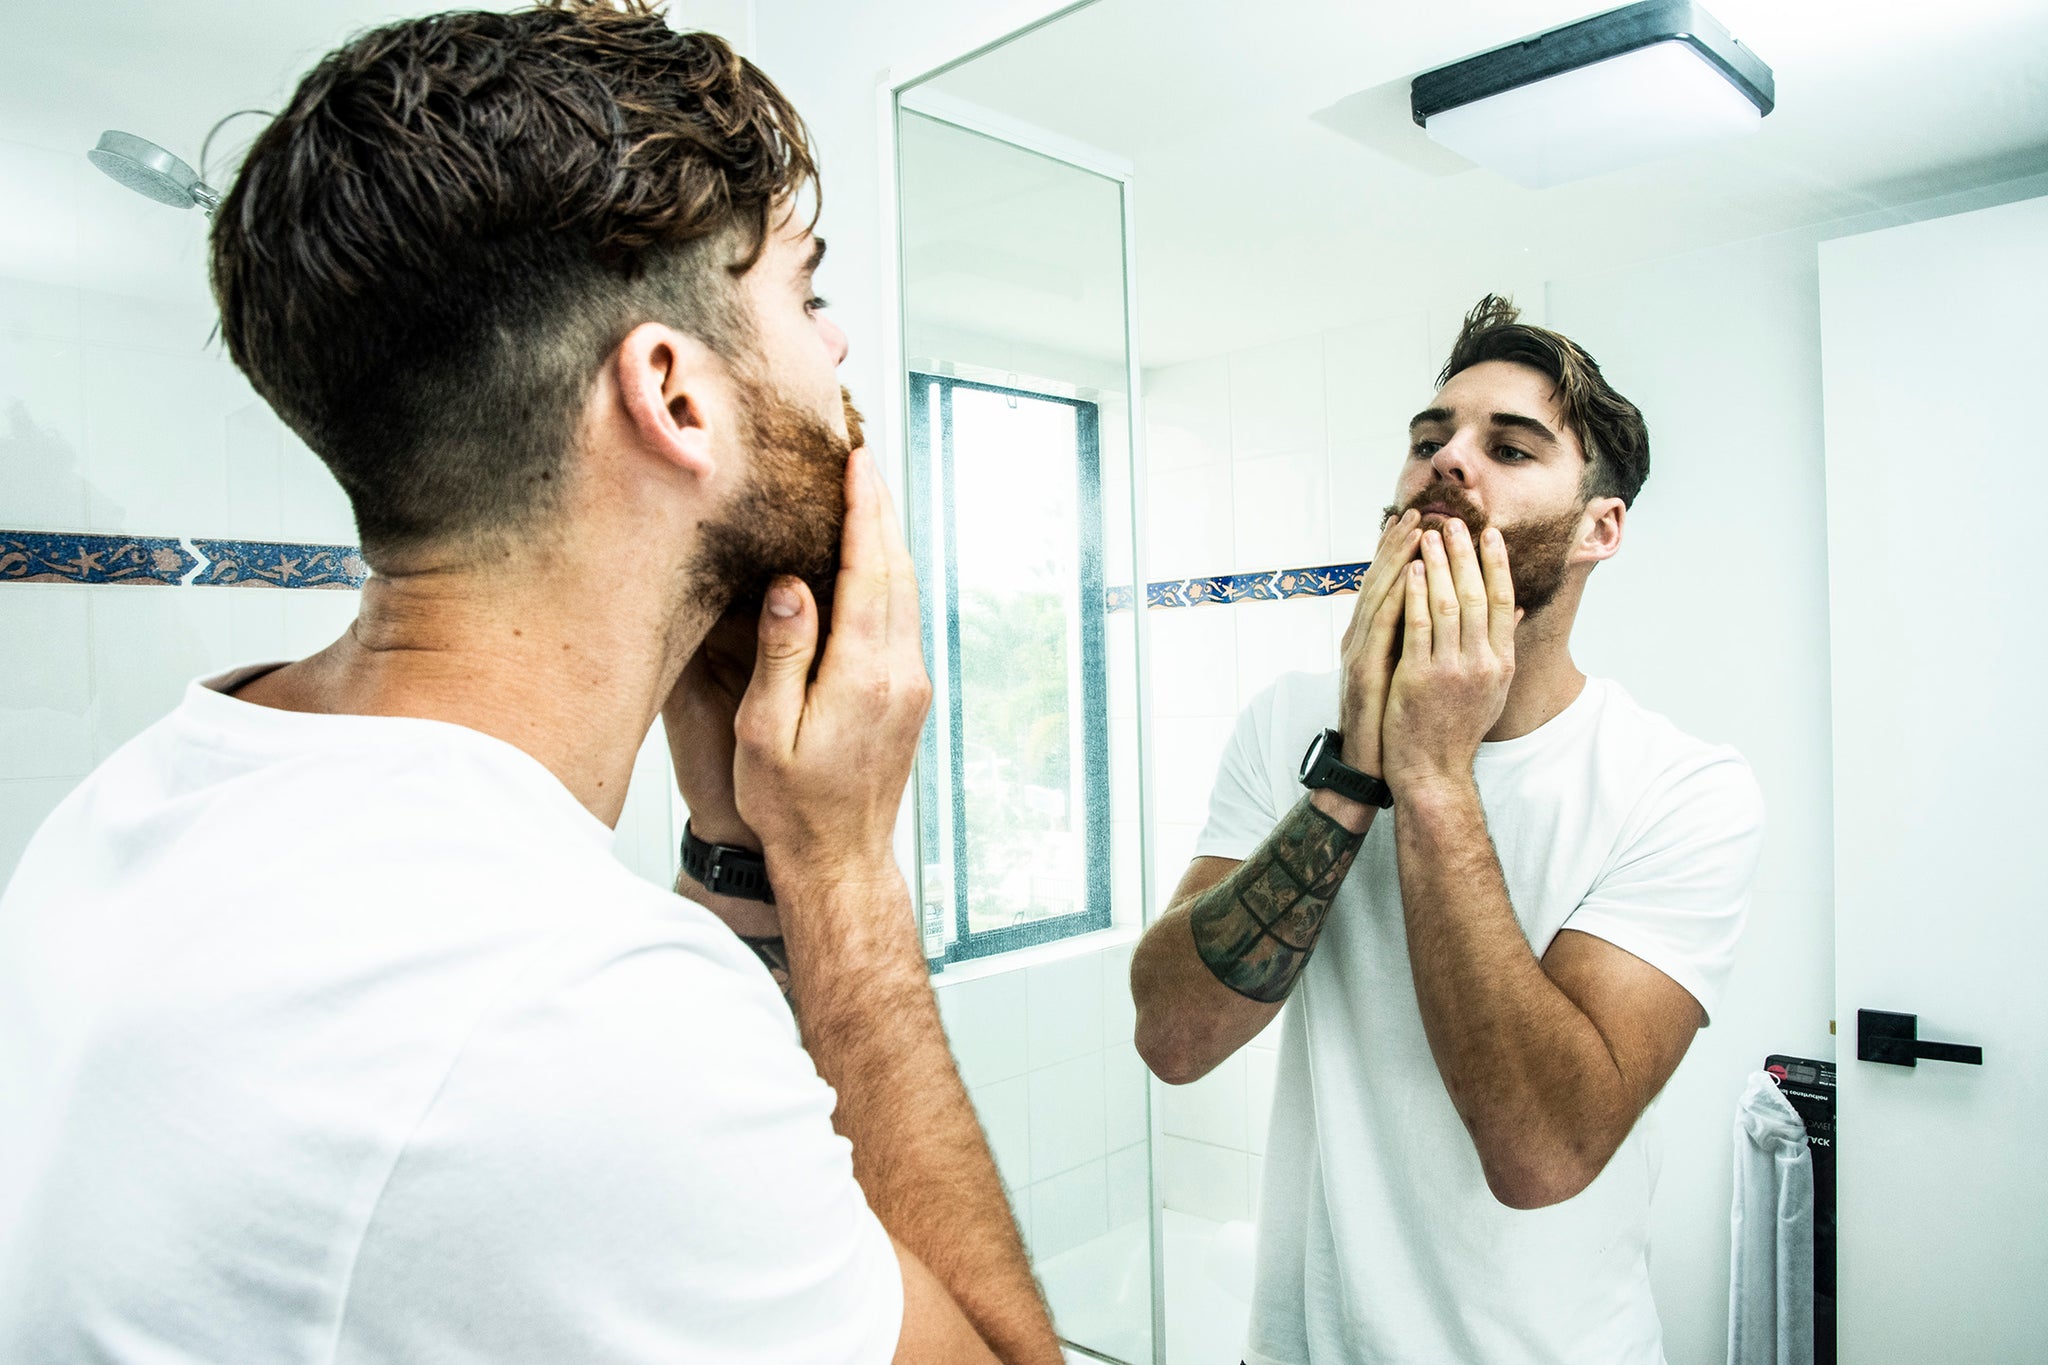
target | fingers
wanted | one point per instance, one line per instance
(1441, 598)
(1469, 581)
(772, 710)
(1502, 616)
(1397, 546)
(860, 595)
(1418, 635)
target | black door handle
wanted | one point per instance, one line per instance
(1894, 1039)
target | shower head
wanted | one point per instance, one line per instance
(149, 170)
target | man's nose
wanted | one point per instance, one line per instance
(835, 341)
(1453, 461)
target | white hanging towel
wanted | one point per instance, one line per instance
(1770, 1281)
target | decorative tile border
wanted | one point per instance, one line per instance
(1223, 589)
(273, 564)
(76, 557)
(93, 558)
(88, 558)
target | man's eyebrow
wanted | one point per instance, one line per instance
(817, 256)
(1528, 424)
(1518, 421)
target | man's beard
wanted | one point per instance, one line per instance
(787, 517)
(1539, 548)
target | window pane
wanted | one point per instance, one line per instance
(1017, 572)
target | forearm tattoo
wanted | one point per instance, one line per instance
(774, 955)
(1256, 928)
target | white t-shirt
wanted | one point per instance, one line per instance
(1378, 1238)
(347, 1039)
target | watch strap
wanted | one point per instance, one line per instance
(726, 869)
(1328, 772)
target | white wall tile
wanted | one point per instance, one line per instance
(1130, 1185)
(1173, 847)
(1260, 1067)
(1277, 399)
(1209, 1182)
(256, 629)
(1363, 473)
(1380, 373)
(46, 658)
(24, 805)
(1119, 1013)
(1282, 518)
(1185, 751)
(42, 434)
(1193, 657)
(147, 644)
(255, 494)
(1120, 662)
(1125, 1085)
(1123, 768)
(1069, 1209)
(38, 235)
(313, 508)
(1188, 520)
(1065, 1008)
(1005, 1111)
(1268, 1038)
(985, 1025)
(1258, 1183)
(1273, 638)
(314, 618)
(1187, 415)
(1067, 1125)
(155, 447)
(1211, 1109)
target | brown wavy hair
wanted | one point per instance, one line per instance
(428, 255)
(1609, 427)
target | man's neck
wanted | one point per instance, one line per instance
(1546, 679)
(531, 659)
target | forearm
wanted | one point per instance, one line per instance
(1216, 968)
(1528, 1072)
(859, 983)
(756, 923)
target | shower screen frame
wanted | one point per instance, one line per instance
(895, 94)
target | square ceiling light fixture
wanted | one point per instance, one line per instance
(1615, 90)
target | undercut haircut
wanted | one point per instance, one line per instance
(1609, 427)
(428, 256)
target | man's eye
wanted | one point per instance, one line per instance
(815, 304)
(1510, 455)
(1422, 450)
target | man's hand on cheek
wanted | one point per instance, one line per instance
(1457, 659)
(828, 728)
(1372, 643)
(698, 718)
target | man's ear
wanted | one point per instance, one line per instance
(676, 392)
(1600, 529)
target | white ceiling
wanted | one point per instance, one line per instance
(1282, 187)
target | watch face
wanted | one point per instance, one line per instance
(1315, 751)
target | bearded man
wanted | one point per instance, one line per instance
(330, 1028)
(1505, 902)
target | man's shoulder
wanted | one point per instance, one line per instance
(1654, 753)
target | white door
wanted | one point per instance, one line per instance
(1935, 362)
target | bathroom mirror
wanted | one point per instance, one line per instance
(1300, 262)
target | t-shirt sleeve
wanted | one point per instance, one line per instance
(1676, 893)
(1241, 812)
(635, 1163)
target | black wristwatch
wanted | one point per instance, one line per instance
(726, 869)
(1321, 768)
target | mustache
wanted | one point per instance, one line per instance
(1442, 493)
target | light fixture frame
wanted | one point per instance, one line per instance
(1581, 44)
